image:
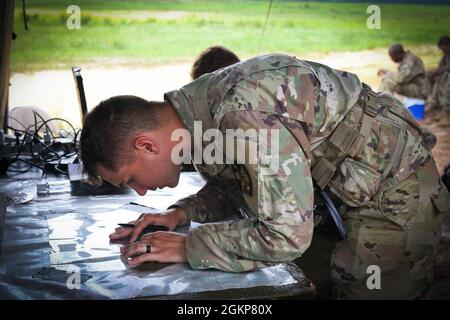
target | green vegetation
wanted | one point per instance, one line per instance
(152, 32)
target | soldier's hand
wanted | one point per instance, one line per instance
(159, 247)
(171, 219)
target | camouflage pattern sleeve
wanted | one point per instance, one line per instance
(303, 102)
(217, 200)
(404, 72)
(444, 65)
(408, 69)
(277, 188)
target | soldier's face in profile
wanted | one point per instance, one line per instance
(147, 170)
(396, 56)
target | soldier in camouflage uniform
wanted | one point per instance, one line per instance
(364, 148)
(439, 98)
(410, 79)
(211, 59)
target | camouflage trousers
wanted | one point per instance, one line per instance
(440, 94)
(419, 88)
(398, 234)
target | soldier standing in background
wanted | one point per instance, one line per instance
(410, 79)
(365, 149)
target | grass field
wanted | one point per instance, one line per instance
(153, 32)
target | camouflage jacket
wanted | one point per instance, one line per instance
(442, 89)
(409, 69)
(444, 64)
(445, 61)
(304, 102)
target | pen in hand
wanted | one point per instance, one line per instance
(147, 229)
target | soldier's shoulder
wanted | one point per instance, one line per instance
(265, 62)
(413, 57)
(273, 57)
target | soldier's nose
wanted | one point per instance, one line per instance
(140, 191)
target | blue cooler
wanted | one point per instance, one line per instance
(416, 107)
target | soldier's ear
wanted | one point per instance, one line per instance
(147, 144)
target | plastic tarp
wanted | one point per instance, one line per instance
(56, 242)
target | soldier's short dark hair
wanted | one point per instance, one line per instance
(444, 40)
(212, 59)
(108, 128)
(396, 47)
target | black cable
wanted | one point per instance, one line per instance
(59, 170)
(24, 12)
(19, 122)
(49, 149)
(15, 129)
(21, 146)
(57, 119)
(67, 153)
(265, 26)
(43, 120)
(35, 121)
(20, 151)
(48, 154)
